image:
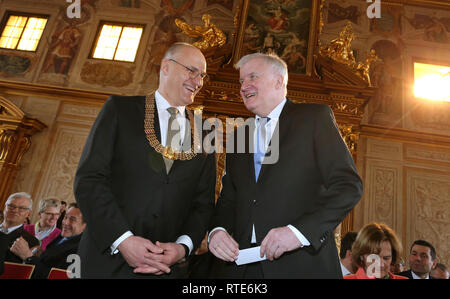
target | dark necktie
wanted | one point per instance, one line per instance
(173, 135)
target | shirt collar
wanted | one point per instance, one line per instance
(11, 229)
(162, 104)
(275, 113)
(414, 276)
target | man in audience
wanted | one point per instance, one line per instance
(345, 253)
(17, 208)
(55, 256)
(440, 272)
(62, 213)
(422, 258)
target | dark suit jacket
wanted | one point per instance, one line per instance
(313, 186)
(408, 274)
(121, 185)
(7, 240)
(55, 255)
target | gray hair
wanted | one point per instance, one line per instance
(273, 59)
(19, 195)
(49, 202)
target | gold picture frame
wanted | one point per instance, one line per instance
(288, 28)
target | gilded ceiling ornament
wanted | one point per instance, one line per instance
(210, 35)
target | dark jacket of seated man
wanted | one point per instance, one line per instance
(55, 256)
(7, 240)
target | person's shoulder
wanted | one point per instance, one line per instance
(396, 276)
(29, 228)
(125, 99)
(309, 107)
(404, 273)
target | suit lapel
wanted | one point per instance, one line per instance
(282, 131)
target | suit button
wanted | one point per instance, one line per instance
(254, 201)
(155, 215)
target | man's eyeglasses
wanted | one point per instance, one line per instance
(193, 73)
(51, 214)
(13, 207)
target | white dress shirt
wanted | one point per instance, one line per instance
(414, 276)
(10, 229)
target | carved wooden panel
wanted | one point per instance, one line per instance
(383, 193)
(428, 212)
(58, 176)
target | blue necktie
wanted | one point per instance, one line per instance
(260, 150)
(62, 240)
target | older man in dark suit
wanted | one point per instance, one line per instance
(146, 194)
(290, 200)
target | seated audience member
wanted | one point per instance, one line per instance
(45, 229)
(440, 272)
(373, 252)
(62, 213)
(398, 267)
(17, 208)
(422, 258)
(59, 249)
(345, 253)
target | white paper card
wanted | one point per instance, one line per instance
(249, 255)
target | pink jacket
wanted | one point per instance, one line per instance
(44, 242)
(361, 274)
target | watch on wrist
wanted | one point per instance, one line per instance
(28, 260)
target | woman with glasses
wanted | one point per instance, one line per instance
(45, 229)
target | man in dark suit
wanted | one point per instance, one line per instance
(17, 208)
(422, 259)
(147, 203)
(290, 200)
(55, 256)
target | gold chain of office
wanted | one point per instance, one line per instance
(149, 128)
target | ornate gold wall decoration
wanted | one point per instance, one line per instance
(340, 50)
(210, 35)
(363, 68)
(350, 136)
(16, 130)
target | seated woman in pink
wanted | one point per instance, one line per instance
(376, 247)
(45, 229)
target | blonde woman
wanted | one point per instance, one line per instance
(45, 229)
(376, 247)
